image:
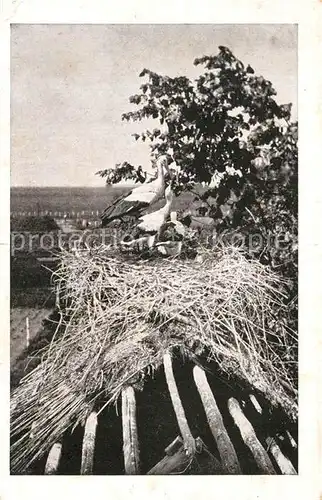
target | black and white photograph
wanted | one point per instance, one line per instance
(154, 249)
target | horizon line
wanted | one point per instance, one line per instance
(67, 186)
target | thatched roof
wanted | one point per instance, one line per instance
(121, 315)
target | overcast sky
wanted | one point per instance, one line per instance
(70, 85)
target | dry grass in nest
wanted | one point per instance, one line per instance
(122, 315)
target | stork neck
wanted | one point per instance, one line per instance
(160, 172)
(167, 206)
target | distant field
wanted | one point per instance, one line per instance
(25, 199)
(61, 198)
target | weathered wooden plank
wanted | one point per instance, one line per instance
(249, 437)
(282, 461)
(181, 463)
(225, 446)
(130, 433)
(174, 446)
(89, 444)
(177, 463)
(53, 459)
(188, 439)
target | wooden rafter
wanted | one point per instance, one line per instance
(188, 439)
(130, 433)
(249, 437)
(53, 460)
(89, 444)
(225, 447)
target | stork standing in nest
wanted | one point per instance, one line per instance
(151, 225)
(138, 198)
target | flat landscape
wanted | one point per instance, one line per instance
(77, 199)
(62, 198)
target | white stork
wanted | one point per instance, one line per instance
(138, 198)
(150, 225)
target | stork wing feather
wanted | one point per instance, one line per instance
(133, 202)
(120, 198)
(121, 209)
(145, 191)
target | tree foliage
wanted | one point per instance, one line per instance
(225, 127)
